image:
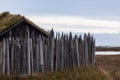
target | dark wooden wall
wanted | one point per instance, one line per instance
(25, 50)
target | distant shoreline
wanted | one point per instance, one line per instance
(105, 48)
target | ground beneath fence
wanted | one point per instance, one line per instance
(107, 68)
(83, 73)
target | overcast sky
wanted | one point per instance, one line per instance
(95, 16)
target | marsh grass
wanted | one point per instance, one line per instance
(83, 73)
(110, 63)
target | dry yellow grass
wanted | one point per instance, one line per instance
(84, 73)
(111, 64)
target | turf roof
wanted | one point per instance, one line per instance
(7, 20)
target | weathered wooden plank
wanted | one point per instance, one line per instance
(4, 49)
(28, 51)
(62, 52)
(1, 57)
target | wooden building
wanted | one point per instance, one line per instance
(17, 36)
(27, 49)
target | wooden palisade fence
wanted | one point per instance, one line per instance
(35, 54)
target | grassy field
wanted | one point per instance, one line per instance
(110, 64)
(84, 73)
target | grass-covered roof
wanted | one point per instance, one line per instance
(7, 20)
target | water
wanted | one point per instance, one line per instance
(107, 52)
